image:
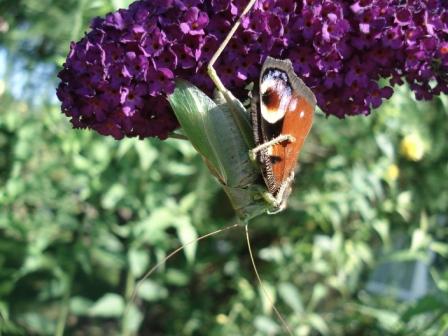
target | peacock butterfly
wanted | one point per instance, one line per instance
(282, 112)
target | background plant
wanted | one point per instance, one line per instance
(83, 216)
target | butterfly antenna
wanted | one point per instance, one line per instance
(263, 288)
(169, 256)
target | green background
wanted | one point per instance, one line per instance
(361, 249)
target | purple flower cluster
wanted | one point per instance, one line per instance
(116, 79)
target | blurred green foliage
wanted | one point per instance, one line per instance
(83, 217)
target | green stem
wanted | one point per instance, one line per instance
(60, 326)
(128, 297)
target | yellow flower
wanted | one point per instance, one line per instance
(222, 319)
(412, 147)
(392, 172)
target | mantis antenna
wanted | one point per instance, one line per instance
(169, 256)
(263, 287)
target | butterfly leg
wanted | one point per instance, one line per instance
(283, 137)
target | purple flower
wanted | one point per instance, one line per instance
(333, 79)
(357, 74)
(185, 56)
(393, 38)
(137, 66)
(209, 45)
(377, 94)
(115, 20)
(194, 22)
(403, 16)
(153, 43)
(131, 98)
(160, 80)
(309, 23)
(116, 79)
(413, 35)
(303, 61)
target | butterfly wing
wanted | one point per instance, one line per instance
(282, 105)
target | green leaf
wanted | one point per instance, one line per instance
(41, 325)
(291, 296)
(113, 196)
(387, 318)
(187, 234)
(146, 153)
(152, 291)
(424, 305)
(267, 300)
(384, 143)
(4, 313)
(110, 305)
(80, 305)
(318, 323)
(420, 240)
(266, 325)
(319, 293)
(133, 319)
(138, 262)
(440, 248)
(382, 227)
(176, 277)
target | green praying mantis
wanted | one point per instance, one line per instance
(222, 132)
